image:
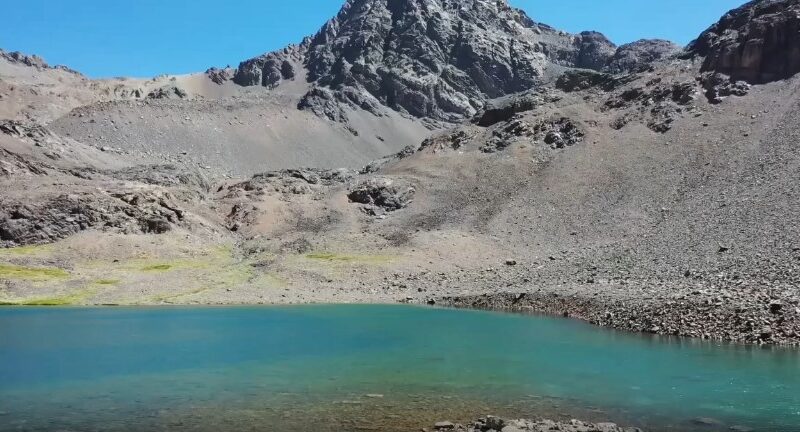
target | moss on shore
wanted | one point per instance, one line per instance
(8, 271)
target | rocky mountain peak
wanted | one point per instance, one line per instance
(758, 42)
(434, 59)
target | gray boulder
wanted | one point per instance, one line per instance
(382, 194)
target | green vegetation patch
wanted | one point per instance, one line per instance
(157, 267)
(27, 250)
(31, 273)
(106, 282)
(65, 300)
(342, 258)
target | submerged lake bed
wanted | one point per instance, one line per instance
(370, 367)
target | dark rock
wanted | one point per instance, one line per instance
(577, 80)
(706, 421)
(49, 220)
(503, 109)
(594, 50)
(452, 141)
(220, 76)
(156, 226)
(719, 86)
(270, 69)
(169, 92)
(24, 59)
(382, 192)
(638, 56)
(758, 42)
(559, 132)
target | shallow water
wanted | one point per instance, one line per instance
(369, 368)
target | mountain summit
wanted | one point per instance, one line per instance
(435, 59)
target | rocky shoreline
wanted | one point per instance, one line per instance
(712, 317)
(497, 424)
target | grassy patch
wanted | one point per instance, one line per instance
(31, 273)
(26, 250)
(106, 282)
(342, 258)
(157, 268)
(65, 300)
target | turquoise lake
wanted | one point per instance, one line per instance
(383, 368)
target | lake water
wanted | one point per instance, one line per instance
(348, 368)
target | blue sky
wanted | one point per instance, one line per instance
(143, 38)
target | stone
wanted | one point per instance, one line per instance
(706, 421)
(495, 423)
(511, 262)
(382, 192)
(444, 425)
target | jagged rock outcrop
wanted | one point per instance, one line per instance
(49, 220)
(503, 109)
(24, 59)
(758, 42)
(270, 69)
(638, 56)
(31, 60)
(594, 50)
(168, 92)
(434, 59)
(379, 195)
(578, 80)
(220, 76)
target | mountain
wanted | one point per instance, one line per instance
(432, 59)
(432, 151)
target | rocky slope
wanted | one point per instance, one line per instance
(630, 187)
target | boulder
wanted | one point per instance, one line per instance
(382, 193)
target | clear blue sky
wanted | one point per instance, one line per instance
(143, 38)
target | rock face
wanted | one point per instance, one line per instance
(639, 55)
(594, 51)
(269, 69)
(64, 215)
(435, 59)
(758, 42)
(24, 59)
